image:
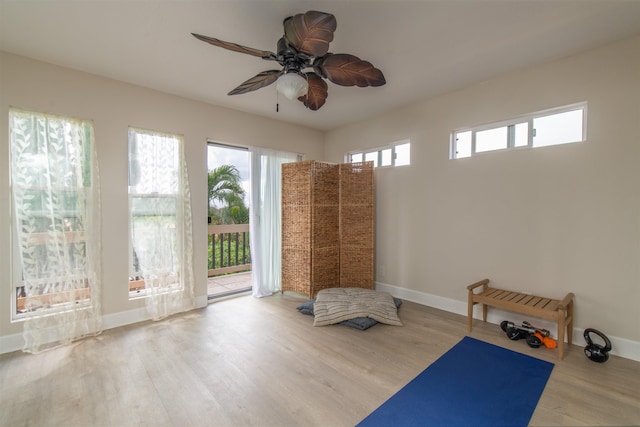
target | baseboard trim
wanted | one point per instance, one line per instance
(202, 301)
(11, 343)
(124, 318)
(622, 347)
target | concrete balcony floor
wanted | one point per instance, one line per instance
(227, 284)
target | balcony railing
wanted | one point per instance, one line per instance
(228, 248)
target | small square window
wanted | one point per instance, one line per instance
(491, 139)
(557, 129)
(403, 154)
(387, 157)
(372, 156)
(463, 145)
(521, 135)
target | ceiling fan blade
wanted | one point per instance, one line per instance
(317, 93)
(256, 82)
(310, 32)
(264, 54)
(348, 70)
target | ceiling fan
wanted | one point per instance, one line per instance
(303, 53)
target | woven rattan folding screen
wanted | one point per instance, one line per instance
(327, 226)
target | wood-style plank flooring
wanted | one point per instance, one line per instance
(258, 362)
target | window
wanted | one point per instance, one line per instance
(153, 191)
(397, 154)
(55, 221)
(159, 222)
(552, 127)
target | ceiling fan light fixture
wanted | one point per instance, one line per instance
(292, 85)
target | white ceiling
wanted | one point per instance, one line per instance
(424, 47)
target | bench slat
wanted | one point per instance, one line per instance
(526, 299)
(535, 300)
(491, 291)
(513, 296)
(521, 298)
(500, 294)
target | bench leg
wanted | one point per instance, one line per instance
(570, 323)
(470, 313)
(561, 327)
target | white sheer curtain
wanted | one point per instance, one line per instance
(160, 222)
(55, 187)
(265, 225)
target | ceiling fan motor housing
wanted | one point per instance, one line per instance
(290, 59)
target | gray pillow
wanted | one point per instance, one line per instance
(306, 307)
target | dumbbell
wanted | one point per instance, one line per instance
(521, 332)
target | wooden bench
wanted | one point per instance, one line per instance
(560, 311)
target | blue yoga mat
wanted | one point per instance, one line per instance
(473, 384)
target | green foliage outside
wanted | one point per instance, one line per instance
(227, 206)
(226, 196)
(228, 261)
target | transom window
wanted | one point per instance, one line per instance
(561, 125)
(397, 154)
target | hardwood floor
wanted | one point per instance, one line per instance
(258, 362)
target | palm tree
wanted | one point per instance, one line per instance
(236, 211)
(225, 187)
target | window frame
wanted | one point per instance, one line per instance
(510, 124)
(137, 288)
(83, 298)
(379, 150)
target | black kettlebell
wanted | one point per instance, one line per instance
(596, 352)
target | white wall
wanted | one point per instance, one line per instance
(113, 106)
(548, 220)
